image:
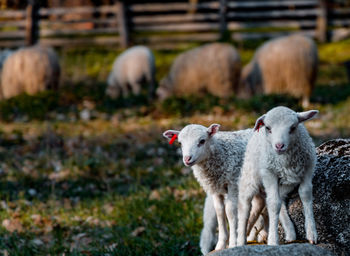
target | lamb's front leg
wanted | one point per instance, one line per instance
(231, 213)
(273, 204)
(305, 193)
(286, 222)
(220, 213)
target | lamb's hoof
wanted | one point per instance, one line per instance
(312, 242)
(212, 252)
(220, 246)
(232, 245)
(290, 241)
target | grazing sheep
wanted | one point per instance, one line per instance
(216, 159)
(278, 158)
(30, 70)
(213, 68)
(132, 68)
(284, 65)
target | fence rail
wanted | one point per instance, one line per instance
(169, 24)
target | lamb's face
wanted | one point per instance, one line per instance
(195, 142)
(280, 132)
(282, 127)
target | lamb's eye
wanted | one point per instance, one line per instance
(201, 142)
(268, 129)
(292, 129)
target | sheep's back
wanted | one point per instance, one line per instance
(29, 70)
(133, 65)
(212, 68)
(288, 65)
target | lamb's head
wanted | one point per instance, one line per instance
(195, 141)
(282, 126)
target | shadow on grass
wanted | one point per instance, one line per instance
(188, 105)
(87, 168)
(330, 94)
(68, 99)
(71, 99)
(95, 241)
(181, 245)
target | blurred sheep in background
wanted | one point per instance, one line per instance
(30, 70)
(132, 69)
(285, 65)
(213, 68)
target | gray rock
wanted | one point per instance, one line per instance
(266, 250)
(331, 198)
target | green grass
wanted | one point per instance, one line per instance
(111, 185)
(101, 196)
(335, 52)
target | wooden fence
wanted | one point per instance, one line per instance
(173, 23)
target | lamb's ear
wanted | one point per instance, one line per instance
(259, 122)
(307, 115)
(212, 129)
(170, 133)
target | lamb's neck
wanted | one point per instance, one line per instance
(204, 165)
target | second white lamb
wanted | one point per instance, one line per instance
(280, 156)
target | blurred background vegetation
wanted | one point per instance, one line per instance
(81, 174)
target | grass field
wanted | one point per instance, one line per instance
(108, 183)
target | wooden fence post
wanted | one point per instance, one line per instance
(32, 28)
(222, 17)
(123, 24)
(322, 21)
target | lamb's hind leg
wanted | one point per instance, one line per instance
(245, 196)
(258, 204)
(208, 235)
(255, 222)
(262, 236)
(263, 224)
(220, 213)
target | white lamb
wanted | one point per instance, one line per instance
(216, 159)
(278, 158)
(131, 69)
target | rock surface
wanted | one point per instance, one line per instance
(289, 249)
(331, 198)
